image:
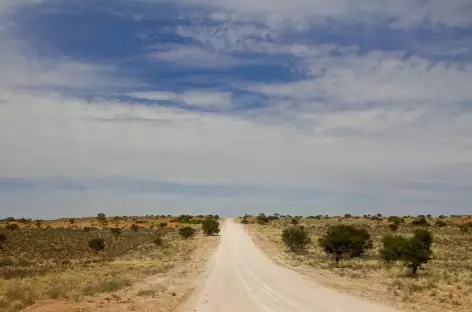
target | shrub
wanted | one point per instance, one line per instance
(396, 219)
(414, 251)
(347, 216)
(210, 226)
(97, 244)
(101, 217)
(393, 227)
(187, 232)
(3, 240)
(244, 220)
(38, 223)
(163, 224)
(71, 220)
(158, 241)
(12, 226)
(294, 221)
(134, 227)
(115, 231)
(420, 221)
(392, 248)
(262, 219)
(343, 240)
(440, 223)
(86, 229)
(296, 238)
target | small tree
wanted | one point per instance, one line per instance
(296, 238)
(393, 227)
(97, 244)
(418, 250)
(262, 219)
(187, 232)
(244, 220)
(414, 251)
(210, 226)
(101, 217)
(392, 248)
(71, 220)
(38, 223)
(343, 241)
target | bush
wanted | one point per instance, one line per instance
(97, 244)
(87, 229)
(210, 226)
(101, 217)
(115, 231)
(262, 219)
(294, 221)
(420, 221)
(187, 232)
(244, 220)
(393, 227)
(396, 219)
(134, 227)
(158, 241)
(3, 240)
(12, 226)
(440, 223)
(163, 225)
(414, 251)
(392, 248)
(343, 241)
(296, 238)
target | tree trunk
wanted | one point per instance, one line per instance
(337, 261)
(414, 268)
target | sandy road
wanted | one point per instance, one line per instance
(243, 279)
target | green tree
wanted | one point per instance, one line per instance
(101, 217)
(97, 244)
(262, 219)
(187, 232)
(414, 251)
(296, 238)
(210, 226)
(343, 241)
(392, 248)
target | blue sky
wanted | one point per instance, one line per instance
(230, 106)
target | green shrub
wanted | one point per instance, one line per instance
(262, 219)
(420, 221)
(343, 241)
(296, 238)
(440, 223)
(414, 251)
(187, 232)
(163, 224)
(97, 244)
(116, 231)
(393, 227)
(210, 226)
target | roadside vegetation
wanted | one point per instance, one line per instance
(74, 259)
(419, 263)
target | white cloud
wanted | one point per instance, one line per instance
(191, 98)
(192, 56)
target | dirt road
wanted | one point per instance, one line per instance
(242, 278)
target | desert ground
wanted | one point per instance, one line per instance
(443, 284)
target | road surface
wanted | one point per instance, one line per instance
(243, 279)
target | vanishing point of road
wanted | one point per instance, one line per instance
(243, 279)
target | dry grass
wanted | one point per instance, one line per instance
(444, 284)
(56, 262)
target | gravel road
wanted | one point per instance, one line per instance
(242, 278)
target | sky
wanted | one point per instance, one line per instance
(302, 107)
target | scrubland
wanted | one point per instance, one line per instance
(444, 283)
